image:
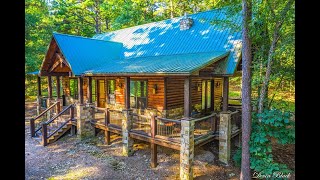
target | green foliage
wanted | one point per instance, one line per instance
(37, 33)
(276, 125)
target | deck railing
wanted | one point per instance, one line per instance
(107, 117)
(99, 114)
(168, 129)
(205, 126)
(141, 124)
(114, 118)
(35, 123)
(235, 121)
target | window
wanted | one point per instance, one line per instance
(111, 91)
(74, 88)
(206, 94)
(138, 94)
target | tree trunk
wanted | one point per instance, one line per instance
(171, 9)
(246, 90)
(107, 23)
(276, 36)
(96, 18)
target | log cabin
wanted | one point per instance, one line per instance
(176, 69)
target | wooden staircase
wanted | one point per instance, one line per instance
(55, 136)
(51, 130)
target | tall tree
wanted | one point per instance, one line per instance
(275, 38)
(246, 89)
(38, 30)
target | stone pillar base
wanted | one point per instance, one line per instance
(225, 137)
(84, 127)
(127, 147)
(38, 105)
(187, 150)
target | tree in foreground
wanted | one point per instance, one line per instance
(246, 90)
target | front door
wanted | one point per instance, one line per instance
(101, 93)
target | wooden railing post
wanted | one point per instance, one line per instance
(32, 127)
(213, 123)
(44, 134)
(107, 122)
(154, 147)
(58, 107)
(72, 112)
(107, 117)
(73, 128)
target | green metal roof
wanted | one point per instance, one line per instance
(165, 64)
(86, 53)
(158, 47)
(166, 38)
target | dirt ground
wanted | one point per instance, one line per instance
(70, 158)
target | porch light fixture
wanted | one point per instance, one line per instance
(154, 88)
(120, 85)
(217, 84)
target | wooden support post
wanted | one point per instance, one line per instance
(39, 85)
(127, 92)
(44, 134)
(213, 123)
(80, 89)
(212, 95)
(165, 93)
(49, 87)
(72, 113)
(58, 87)
(107, 137)
(187, 97)
(154, 146)
(73, 128)
(89, 89)
(107, 117)
(107, 122)
(205, 95)
(32, 127)
(225, 93)
(58, 107)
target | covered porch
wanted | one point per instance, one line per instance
(142, 98)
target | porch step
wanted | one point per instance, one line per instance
(56, 135)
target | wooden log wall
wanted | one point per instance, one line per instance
(175, 91)
(156, 101)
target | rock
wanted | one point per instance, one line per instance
(203, 157)
(231, 174)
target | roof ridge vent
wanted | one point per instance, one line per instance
(185, 22)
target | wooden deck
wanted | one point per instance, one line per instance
(173, 143)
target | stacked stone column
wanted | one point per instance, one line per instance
(84, 127)
(224, 137)
(38, 105)
(127, 147)
(187, 149)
